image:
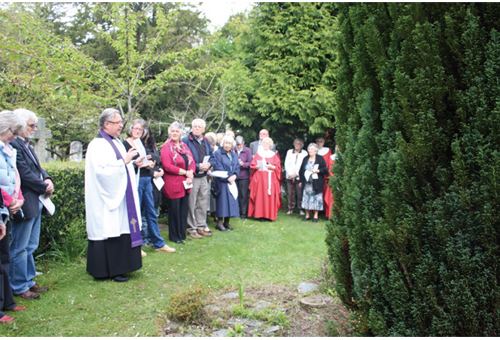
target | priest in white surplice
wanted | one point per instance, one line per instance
(112, 204)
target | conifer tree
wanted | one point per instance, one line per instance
(414, 239)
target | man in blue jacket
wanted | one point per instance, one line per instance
(198, 198)
(25, 230)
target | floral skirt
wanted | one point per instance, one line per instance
(310, 201)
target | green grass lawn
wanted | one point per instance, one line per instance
(285, 252)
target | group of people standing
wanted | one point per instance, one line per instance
(24, 184)
(307, 179)
(124, 185)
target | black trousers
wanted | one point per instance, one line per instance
(177, 218)
(6, 297)
(243, 194)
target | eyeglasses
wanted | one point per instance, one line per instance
(118, 122)
(14, 133)
(138, 129)
(33, 126)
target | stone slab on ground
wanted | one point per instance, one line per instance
(221, 333)
(232, 322)
(261, 304)
(305, 287)
(271, 330)
(316, 301)
(210, 308)
(229, 295)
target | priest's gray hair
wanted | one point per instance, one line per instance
(239, 140)
(175, 124)
(25, 116)
(229, 139)
(313, 145)
(144, 126)
(9, 119)
(200, 121)
(107, 116)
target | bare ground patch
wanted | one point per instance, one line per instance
(294, 319)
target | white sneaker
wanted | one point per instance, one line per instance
(143, 253)
(302, 212)
(289, 212)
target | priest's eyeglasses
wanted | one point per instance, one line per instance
(118, 122)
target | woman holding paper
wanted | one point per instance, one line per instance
(11, 202)
(265, 188)
(179, 166)
(225, 159)
(312, 179)
(138, 132)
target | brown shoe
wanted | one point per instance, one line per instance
(195, 235)
(37, 289)
(204, 233)
(165, 249)
(29, 295)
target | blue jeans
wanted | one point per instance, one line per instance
(25, 237)
(148, 207)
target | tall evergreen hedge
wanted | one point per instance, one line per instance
(415, 238)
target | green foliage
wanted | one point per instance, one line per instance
(237, 331)
(187, 305)
(63, 235)
(414, 244)
(284, 79)
(72, 245)
(276, 318)
(240, 294)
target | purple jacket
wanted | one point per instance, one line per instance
(245, 156)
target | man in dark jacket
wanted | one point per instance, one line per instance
(243, 181)
(198, 198)
(26, 226)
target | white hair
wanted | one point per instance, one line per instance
(229, 139)
(174, 124)
(9, 120)
(314, 145)
(199, 120)
(26, 115)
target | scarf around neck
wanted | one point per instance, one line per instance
(182, 149)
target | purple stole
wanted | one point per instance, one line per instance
(135, 231)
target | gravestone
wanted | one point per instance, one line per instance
(40, 139)
(75, 151)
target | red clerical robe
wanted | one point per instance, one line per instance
(327, 194)
(265, 189)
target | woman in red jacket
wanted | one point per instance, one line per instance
(179, 166)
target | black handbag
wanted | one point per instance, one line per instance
(214, 189)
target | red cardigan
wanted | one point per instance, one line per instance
(173, 187)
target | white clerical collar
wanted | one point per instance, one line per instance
(266, 154)
(323, 151)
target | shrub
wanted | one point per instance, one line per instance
(415, 243)
(187, 305)
(62, 232)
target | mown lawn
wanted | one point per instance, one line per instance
(285, 252)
